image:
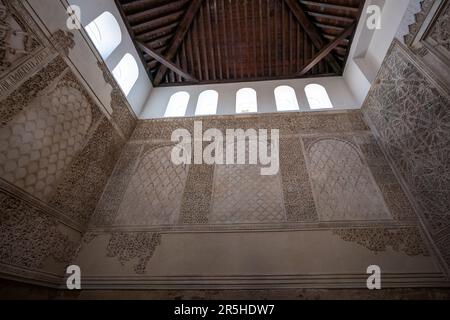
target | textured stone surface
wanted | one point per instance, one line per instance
(57, 149)
(411, 115)
(342, 184)
(407, 240)
(131, 246)
(155, 191)
(40, 142)
(28, 236)
(243, 195)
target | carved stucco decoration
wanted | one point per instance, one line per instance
(122, 114)
(196, 203)
(407, 239)
(420, 17)
(298, 197)
(393, 194)
(409, 111)
(82, 184)
(440, 31)
(155, 191)
(63, 41)
(17, 41)
(28, 236)
(41, 141)
(413, 120)
(342, 184)
(108, 205)
(242, 195)
(28, 91)
(288, 124)
(130, 246)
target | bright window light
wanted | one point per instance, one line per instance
(105, 33)
(286, 99)
(318, 97)
(207, 103)
(178, 104)
(246, 101)
(126, 73)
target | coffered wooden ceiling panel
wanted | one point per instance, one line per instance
(213, 41)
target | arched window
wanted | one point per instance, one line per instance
(286, 99)
(105, 33)
(177, 105)
(126, 73)
(318, 97)
(207, 103)
(246, 101)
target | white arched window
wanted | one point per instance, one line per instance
(246, 101)
(207, 103)
(126, 73)
(286, 99)
(177, 105)
(105, 33)
(318, 97)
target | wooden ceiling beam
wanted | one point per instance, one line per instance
(330, 6)
(154, 13)
(312, 32)
(326, 50)
(170, 65)
(330, 17)
(178, 38)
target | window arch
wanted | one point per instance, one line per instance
(246, 101)
(318, 97)
(126, 73)
(178, 104)
(105, 33)
(286, 99)
(207, 103)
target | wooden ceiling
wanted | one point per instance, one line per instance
(214, 41)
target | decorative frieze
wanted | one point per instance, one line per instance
(407, 240)
(130, 246)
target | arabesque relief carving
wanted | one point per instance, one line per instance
(138, 246)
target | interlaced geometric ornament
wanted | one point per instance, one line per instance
(154, 194)
(343, 186)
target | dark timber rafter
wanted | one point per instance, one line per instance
(312, 31)
(172, 66)
(183, 42)
(327, 49)
(178, 38)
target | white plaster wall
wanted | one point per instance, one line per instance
(340, 95)
(91, 9)
(370, 47)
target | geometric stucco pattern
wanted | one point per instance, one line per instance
(128, 246)
(28, 236)
(298, 197)
(38, 144)
(411, 115)
(196, 203)
(17, 40)
(242, 195)
(393, 194)
(83, 181)
(123, 115)
(406, 239)
(419, 18)
(109, 203)
(343, 186)
(155, 191)
(440, 32)
(413, 121)
(57, 149)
